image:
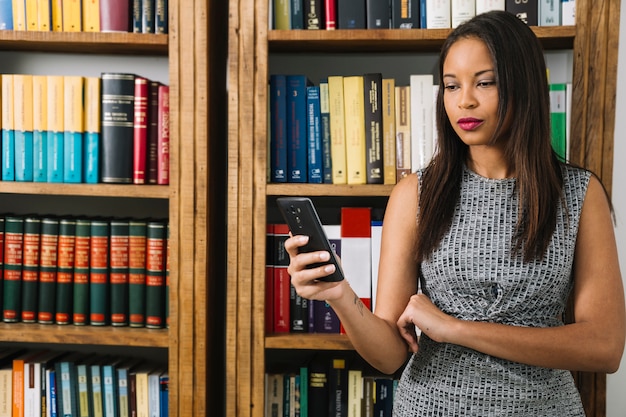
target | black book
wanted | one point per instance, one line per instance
(378, 14)
(313, 14)
(373, 99)
(351, 14)
(405, 14)
(527, 11)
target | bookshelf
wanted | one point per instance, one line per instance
(194, 52)
(252, 48)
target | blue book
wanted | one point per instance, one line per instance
(296, 128)
(55, 120)
(6, 15)
(51, 392)
(160, 21)
(96, 389)
(278, 128)
(73, 130)
(314, 138)
(109, 390)
(67, 400)
(40, 128)
(55, 156)
(164, 402)
(327, 167)
(297, 14)
(23, 155)
(423, 24)
(40, 159)
(91, 149)
(23, 126)
(8, 129)
(82, 378)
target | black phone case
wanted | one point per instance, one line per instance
(302, 219)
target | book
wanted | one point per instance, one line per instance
(12, 274)
(82, 258)
(527, 11)
(65, 270)
(568, 12)
(19, 379)
(269, 278)
(354, 117)
(376, 233)
(313, 14)
(388, 110)
(30, 268)
(282, 280)
(461, 11)
(327, 167)
(558, 126)
(355, 392)
(438, 14)
(117, 108)
(282, 14)
(99, 273)
(41, 367)
(31, 15)
(114, 15)
(298, 312)
(73, 129)
(384, 396)
(55, 105)
(72, 16)
(369, 394)
(296, 128)
(421, 120)
(278, 127)
(8, 129)
(314, 138)
(95, 385)
(297, 14)
(568, 118)
(109, 388)
(155, 274)
(50, 252)
(140, 130)
(483, 6)
(274, 395)
(1, 258)
(403, 131)
(147, 16)
(123, 370)
(373, 116)
(378, 14)
(154, 391)
(153, 133)
(91, 15)
(161, 16)
(85, 406)
(136, 20)
(118, 271)
(338, 387)
(549, 12)
(356, 237)
(163, 138)
(40, 128)
(91, 136)
(6, 15)
(19, 15)
(325, 320)
(137, 273)
(405, 14)
(330, 14)
(56, 10)
(351, 14)
(67, 384)
(337, 129)
(23, 125)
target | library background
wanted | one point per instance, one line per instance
(143, 149)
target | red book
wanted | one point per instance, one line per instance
(163, 138)
(269, 279)
(330, 13)
(114, 15)
(282, 281)
(153, 132)
(140, 130)
(356, 237)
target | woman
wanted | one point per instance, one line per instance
(500, 234)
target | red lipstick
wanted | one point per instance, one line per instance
(469, 123)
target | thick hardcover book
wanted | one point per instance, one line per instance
(330, 14)
(461, 11)
(327, 167)
(40, 128)
(99, 273)
(147, 16)
(351, 14)
(354, 113)
(82, 253)
(6, 15)
(160, 21)
(378, 14)
(49, 256)
(73, 130)
(421, 120)
(30, 268)
(65, 270)
(313, 14)
(118, 271)
(282, 281)
(384, 396)
(549, 12)
(23, 125)
(369, 394)
(527, 11)
(136, 16)
(156, 233)
(278, 127)
(405, 14)
(337, 129)
(338, 387)
(356, 250)
(72, 16)
(91, 15)
(282, 14)
(91, 148)
(373, 101)
(118, 97)
(153, 133)
(137, 273)
(12, 274)
(140, 130)
(297, 14)
(56, 129)
(115, 15)
(296, 128)
(318, 386)
(389, 130)
(483, 6)
(269, 278)
(403, 131)
(163, 138)
(558, 108)
(314, 138)
(355, 392)
(8, 129)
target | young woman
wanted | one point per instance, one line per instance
(498, 234)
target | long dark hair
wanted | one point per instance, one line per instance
(521, 78)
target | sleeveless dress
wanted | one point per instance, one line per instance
(473, 275)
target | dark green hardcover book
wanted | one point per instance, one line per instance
(46, 303)
(155, 274)
(137, 273)
(99, 273)
(118, 271)
(147, 16)
(82, 251)
(30, 268)
(160, 21)
(65, 274)
(118, 100)
(13, 252)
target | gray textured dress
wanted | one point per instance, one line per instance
(473, 275)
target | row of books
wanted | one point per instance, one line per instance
(410, 14)
(356, 241)
(364, 129)
(44, 383)
(74, 129)
(329, 385)
(84, 271)
(139, 16)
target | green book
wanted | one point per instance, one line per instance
(80, 294)
(30, 268)
(558, 119)
(118, 271)
(65, 274)
(99, 273)
(137, 273)
(155, 274)
(13, 251)
(48, 270)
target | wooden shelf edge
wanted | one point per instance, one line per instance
(83, 335)
(315, 341)
(370, 190)
(88, 190)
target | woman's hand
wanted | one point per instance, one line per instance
(306, 281)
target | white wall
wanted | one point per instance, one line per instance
(616, 383)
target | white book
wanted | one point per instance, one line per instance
(421, 120)
(438, 14)
(356, 250)
(462, 11)
(549, 12)
(32, 389)
(355, 392)
(337, 129)
(568, 12)
(483, 6)
(377, 231)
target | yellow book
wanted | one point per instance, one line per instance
(23, 102)
(92, 129)
(40, 127)
(354, 117)
(337, 129)
(19, 14)
(55, 128)
(389, 130)
(403, 131)
(72, 16)
(7, 102)
(31, 15)
(73, 132)
(56, 11)
(44, 15)
(91, 15)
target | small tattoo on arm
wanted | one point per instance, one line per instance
(359, 304)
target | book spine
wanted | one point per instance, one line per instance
(356, 250)
(269, 278)
(109, 388)
(140, 130)
(438, 14)
(91, 158)
(118, 275)
(337, 129)
(82, 252)
(72, 16)
(6, 15)
(30, 268)
(461, 11)
(163, 139)
(99, 273)
(378, 13)
(549, 12)
(167, 276)
(314, 138)
(338, 387)
(389, 130)
(297, 14)
(73, 130)
(82, 384)
(91, 15)
(40, 128)
(155, 274)
(296, 129)
(558, 129)
(8, 129)
(56, 9)
(313, 16)
(282, 281)
(19, 15)
(354, 114)
(136, 17)
(351, 14)
(405, 14)
(65, 270)
(161, 23)
(96, 390)
(568, 12)
(278, 128)
(147, 16)
(373, 113)
(56, 128)
(330, 14)
(282, 14)
(48, 270)
(403, 131)
(483, 6)
(2, 240)
(115, 16)
(421, 120)
(13, 253)
(118, 96)
(153, 133)
(137, 273)
(327, 167)
(527, 11)
(23, 125)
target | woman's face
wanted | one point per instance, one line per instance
(470, 92)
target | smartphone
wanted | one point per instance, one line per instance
(302, 219)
